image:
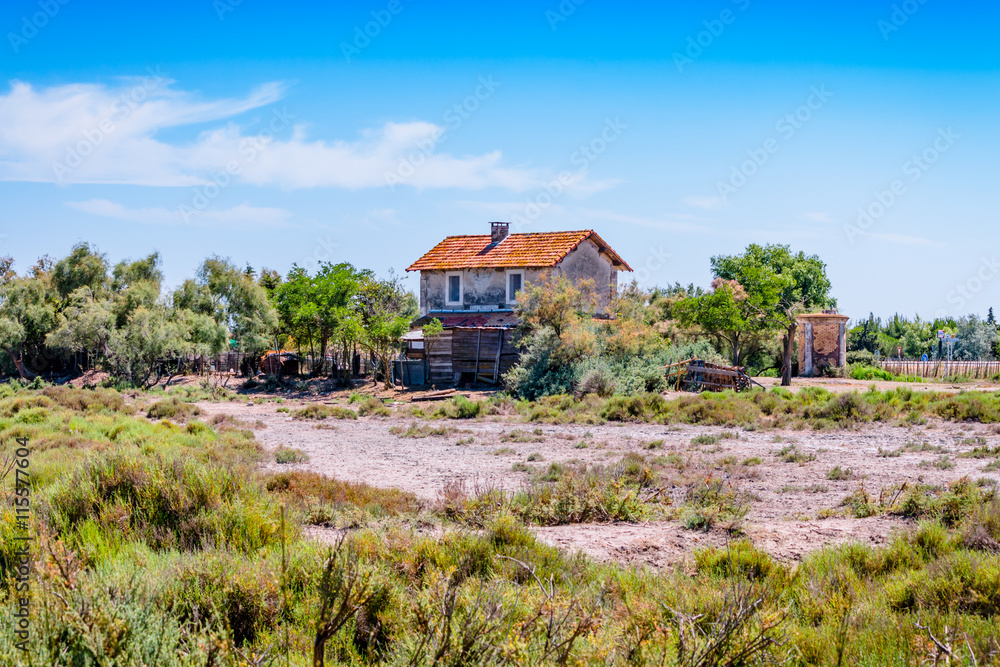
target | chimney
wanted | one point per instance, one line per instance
(500, 231)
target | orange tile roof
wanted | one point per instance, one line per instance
(535, 250)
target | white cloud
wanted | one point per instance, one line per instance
(238, 216)
(88, 133)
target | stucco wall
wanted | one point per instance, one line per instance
(587, 263)
(488, 287)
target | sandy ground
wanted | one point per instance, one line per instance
(786, 497)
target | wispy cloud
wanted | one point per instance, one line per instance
(88, 133)
(238, 216)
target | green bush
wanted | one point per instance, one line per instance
(321, 411)
(173, 408)
(178, 504)
(867, 373)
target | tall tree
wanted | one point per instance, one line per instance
(27, 315)
(734, 317)
(385, 310)
(236, 300)
(783, 284)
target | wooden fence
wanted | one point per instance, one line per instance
(942, 368)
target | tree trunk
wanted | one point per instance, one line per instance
(22, 370)
(786, 358)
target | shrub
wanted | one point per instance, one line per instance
(740, 559)
(459, 407)
(172, 408)
(372, 406)
(867, 373)
(167, 504)
(595, 381)
(320, 497)
(320, 411)
(839, 474)
(290, 455)
(89, 400)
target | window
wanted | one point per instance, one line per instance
(454, 287)
(515, 283)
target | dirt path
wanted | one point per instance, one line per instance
(786, 497)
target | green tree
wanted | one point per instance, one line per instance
(782, 285)
(385, 310)
(728, 313)
(83, 267)
(323, 309)
(237, 301)
(27, 315)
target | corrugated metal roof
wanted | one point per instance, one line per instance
(466, 319)
(537, 250)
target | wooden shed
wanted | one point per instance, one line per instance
(472, 348)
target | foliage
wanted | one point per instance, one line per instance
(779, 285)
(565, 349)
(158, 545)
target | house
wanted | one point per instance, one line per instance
(470, 283)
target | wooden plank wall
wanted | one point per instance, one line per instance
(466, 343)
(440, 359)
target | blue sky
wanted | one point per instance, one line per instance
(274, 134)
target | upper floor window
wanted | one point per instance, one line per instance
(454, 289)
(515, 283)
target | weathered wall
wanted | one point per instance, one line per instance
(482, 287)
(488, 287)
(587, 263)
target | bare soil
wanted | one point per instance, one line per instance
(786, 497)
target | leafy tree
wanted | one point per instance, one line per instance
(385, 310)
(918, 338)
(729, 314)
(864, 336)
(556, 302)
(781, 284)
(432, 332)
(976, 339)
(7, 272)
(323, 309)
(237, 301)
(27, 315)
(83, 267)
